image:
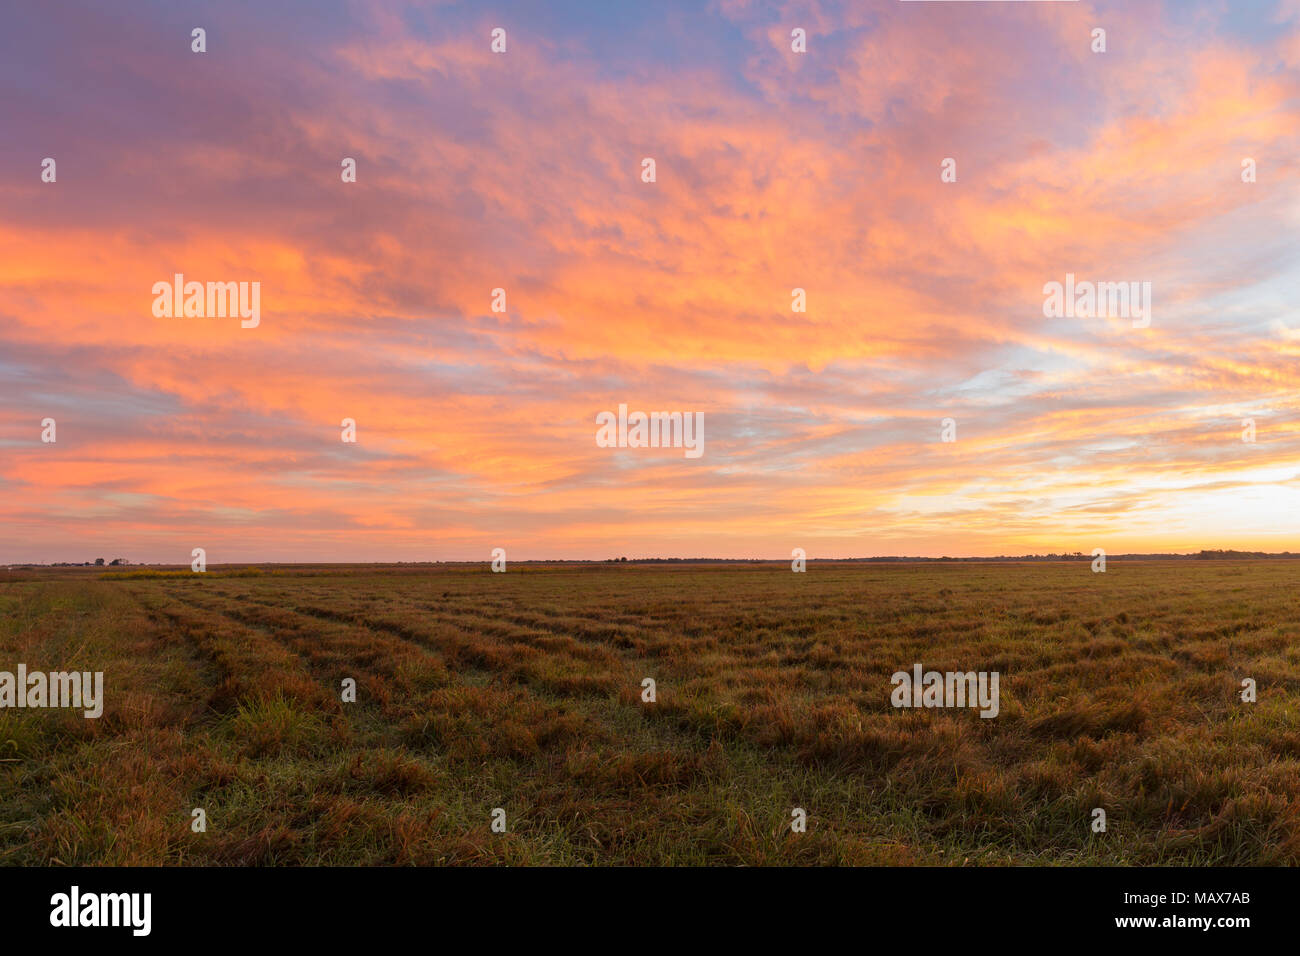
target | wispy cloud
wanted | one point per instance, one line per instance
(521, 171)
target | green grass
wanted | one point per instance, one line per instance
(523, 691)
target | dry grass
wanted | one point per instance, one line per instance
(480, 690)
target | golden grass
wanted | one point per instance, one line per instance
(523, 691)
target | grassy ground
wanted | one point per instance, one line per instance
(523, 691)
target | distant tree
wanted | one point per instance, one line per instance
(99, 562)
(116, 561)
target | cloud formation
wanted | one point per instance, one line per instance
(521, 171)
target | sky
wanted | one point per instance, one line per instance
(774, 170)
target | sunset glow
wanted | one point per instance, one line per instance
(774, 171)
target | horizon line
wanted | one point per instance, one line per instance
(1203, 554)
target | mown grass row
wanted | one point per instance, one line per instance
(523, 691)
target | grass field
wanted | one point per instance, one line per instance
(523, 691)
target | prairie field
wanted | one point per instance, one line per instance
(523, 691)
